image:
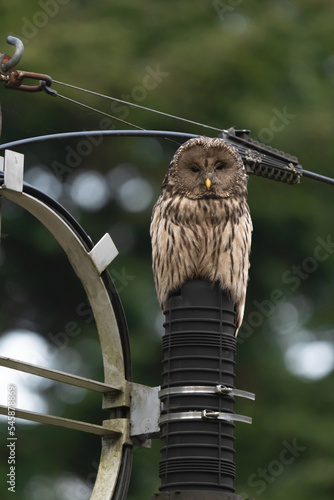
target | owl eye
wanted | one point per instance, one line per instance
(221, 165)
(195, 169)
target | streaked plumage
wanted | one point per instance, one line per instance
(201, 225)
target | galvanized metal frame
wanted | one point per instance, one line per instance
(89, 263)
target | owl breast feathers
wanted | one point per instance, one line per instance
(201, 226)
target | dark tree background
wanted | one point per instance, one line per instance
(267, 66)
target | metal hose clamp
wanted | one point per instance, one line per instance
(204, 414)
(203, 389)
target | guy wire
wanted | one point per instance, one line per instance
(137, 106)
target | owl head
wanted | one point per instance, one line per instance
(206, 167)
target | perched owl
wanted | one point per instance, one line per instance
(201, 226)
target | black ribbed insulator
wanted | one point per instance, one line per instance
(198, 350)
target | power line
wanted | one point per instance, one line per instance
(128, 103)
(181, 136)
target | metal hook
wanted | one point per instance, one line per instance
(19, 48)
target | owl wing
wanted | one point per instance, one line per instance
(225, 253)
(240, 251)
(173, 251)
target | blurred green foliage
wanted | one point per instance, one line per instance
(267, 66)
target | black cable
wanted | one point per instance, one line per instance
(317, 177)
(87, 133)
(130, 133)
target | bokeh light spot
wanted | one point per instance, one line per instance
(135, 195)
(310, 360)
(89, 191)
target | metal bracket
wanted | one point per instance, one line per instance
(261, 159)
(13, 167)
(145, 409)
(144, 413)
(103, 253)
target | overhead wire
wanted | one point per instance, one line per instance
(129, 103)
(54, 93)
(99, 111)
(317, 177)
(182, 136)
(47, 81)
(305, 173)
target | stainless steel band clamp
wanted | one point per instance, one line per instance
(204, 414)
(203, 389)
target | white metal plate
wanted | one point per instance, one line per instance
(14, 167)
(103, 253)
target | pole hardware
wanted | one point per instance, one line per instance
(14, 81)
(8, 62)
(204, 414)
(197, 389)
(263, 160)
(144, 414)
(12, 166)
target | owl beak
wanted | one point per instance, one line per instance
(208, 183)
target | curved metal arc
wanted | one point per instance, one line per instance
(115, 468)
(89, 277)
(105, 276)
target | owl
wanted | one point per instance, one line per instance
(201, 226)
